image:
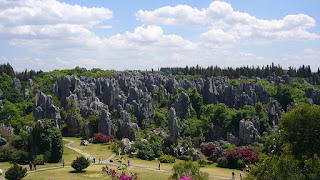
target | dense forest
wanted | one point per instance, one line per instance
(264, 120)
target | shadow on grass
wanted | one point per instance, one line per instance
(75, 171)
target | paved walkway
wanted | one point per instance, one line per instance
(107, 161)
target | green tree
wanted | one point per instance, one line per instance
(16, 172)
(80, 163)
(300, 129)
(188, 169)
(284, 95)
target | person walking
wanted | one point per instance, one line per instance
(35, 166)
(30, 165)
(100, 159)
(63, 162)
(128, 162)
(159, 165)
(232, 175)
(241, 175)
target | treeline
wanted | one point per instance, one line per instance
(263, 72)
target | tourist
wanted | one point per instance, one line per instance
(94, 160)
(159, 165)
(30, 165)
(128, 162)
(100, 159)
(232, 174)
(35, 166)
(63, 162)
(241, 175)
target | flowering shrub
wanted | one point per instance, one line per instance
(185, 178)
(122, 176)
(246, 155)
(211, 152)
(102, 138)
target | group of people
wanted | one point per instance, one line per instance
(234, 174)
(33, 166)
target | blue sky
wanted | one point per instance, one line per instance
(142, 34)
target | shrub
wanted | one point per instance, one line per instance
(246, 154)
(145, 154)
(16, 172)
(202, 162)
(39, 159)
(102, 138)
(211, 152)
(188, 169)
(80, 163)
(20, 157)
(167, 159)
(222, 162)
(6, 153)
(185, 158)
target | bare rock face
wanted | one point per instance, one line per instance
(84, 143)
(8, 129)
(127, 129)
(26, 93)
(125, 144)
(30, 83)
(182, 106)
(3, 141)
(210, 92)
(39, 125)
(44, 108)
(274, 111)
(248, 133)
(16, 84)
(314, 95)
(160, 132)
(173, 125)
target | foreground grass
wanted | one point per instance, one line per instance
(211, 169)
(95, 150)
(92, 172)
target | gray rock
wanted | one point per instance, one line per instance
(274, 112)
(8, 129)
(30, 83)
(39, 125)
(3, 141)
(210, 92)
(127, 129)
(26, 93)
(160, 132)
(182, 106)
(44, 108)
(173, 125)
(84, 143)
(248, 133)
(16, 84)
(125, 145)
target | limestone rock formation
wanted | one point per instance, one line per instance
(182, 106)
(3, 141)
(248, 133)
(44, 108)
(173, 125)
(127, 129)
(84, 143)
(125, 145)
(16, 84)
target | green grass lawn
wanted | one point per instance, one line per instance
(95, 150)
(211, 169)
(92, 172)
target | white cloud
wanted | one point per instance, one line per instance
(228, 25)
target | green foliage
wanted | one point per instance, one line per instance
(188, 169)
(312, 167)
(271, 143)
(202, 161)
(145, 150)
(49, 139)
(80, 163)
(115, 146)
(39, 159)
(93, 122)
(20, 156)
(196, 100)
(300, 129)
(160, 118)
(161, 99)
(167, 159)
(16, 172)
(279, 167)
(272, 89)
(21, 141)
(6, 153)
(229, 146)
(7, 69)
(284, 95)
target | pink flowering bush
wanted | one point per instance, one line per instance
(185, 178)
(122, 176)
